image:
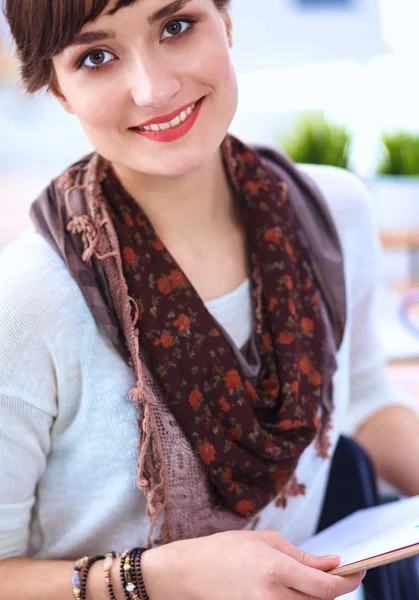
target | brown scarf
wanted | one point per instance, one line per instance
(247, 435)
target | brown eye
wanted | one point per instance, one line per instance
(97, 58)
(177, 27)
(174, 27)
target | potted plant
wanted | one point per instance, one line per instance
(395, 187)
(316, 140)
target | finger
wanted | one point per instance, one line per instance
(314, 582)
(277, 541)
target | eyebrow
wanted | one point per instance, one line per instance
(89, 37)
(168, 10)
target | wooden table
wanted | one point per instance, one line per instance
(404, 239)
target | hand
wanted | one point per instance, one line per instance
(241, 565)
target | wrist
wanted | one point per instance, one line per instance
(97, 588)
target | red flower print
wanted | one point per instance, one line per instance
(308, 284)
(177, 278)
(214, 333)
(250, 390)
(291, 308)
(272, 235)
(166, 340)
(245, 507)
(286, 338)
(182, 323)
(315, 299)
(295, 387)
(234, 434)
(316, 378)
(228, 474)
(252, 187)
(288, 282)
(267, 341)
(224, 405)
(316, 421)
(279, 476)
(233, 380)
(305, 366)
(247, 158)
(288, 424)
(272, 302)
(195, 398)
(270, 386)
(206, 452)
(128, 220)
(158, 245)
(307, 325)
(129, 258)
(164, 285)
(140, 222)
(290, 251)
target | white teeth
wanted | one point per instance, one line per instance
(173, 123)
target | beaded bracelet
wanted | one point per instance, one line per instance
(86, 570)
(139, 573)
(122, 574)
(130, 583)
(76, 581)
(107, 570)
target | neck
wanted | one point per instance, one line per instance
(193, 209)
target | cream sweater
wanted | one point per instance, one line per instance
(67, 427)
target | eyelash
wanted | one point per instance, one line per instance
(192, 22)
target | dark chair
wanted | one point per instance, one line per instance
(352, 486)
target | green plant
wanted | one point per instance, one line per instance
(399, 153)
(316, 140)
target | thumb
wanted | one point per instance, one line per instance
(277, 541)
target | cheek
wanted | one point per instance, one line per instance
(212, 66)
(98, 106)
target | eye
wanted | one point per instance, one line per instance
(96, 58)
(175, 27)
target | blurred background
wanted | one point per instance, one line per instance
(328, 81)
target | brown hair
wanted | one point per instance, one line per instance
(43, 28)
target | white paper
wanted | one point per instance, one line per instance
(369, 533)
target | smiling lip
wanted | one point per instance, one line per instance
(174, 133)
(166, 118)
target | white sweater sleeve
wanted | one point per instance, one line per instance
(27, 390)
(371, 388)
(351, 206)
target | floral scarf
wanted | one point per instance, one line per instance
(248, 434)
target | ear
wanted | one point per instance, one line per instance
(229, 27)
(54, 88)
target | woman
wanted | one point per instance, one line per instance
(168, 290)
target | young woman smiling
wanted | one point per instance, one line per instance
(172, 374)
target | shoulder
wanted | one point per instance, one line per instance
(34, 280)
(345, 194)
(350, 205)
(41, 311)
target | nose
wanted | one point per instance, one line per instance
(153, 83)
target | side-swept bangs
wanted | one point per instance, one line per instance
(43, 28)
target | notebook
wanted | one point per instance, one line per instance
(370, 537)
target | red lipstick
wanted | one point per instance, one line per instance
(174, 133)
